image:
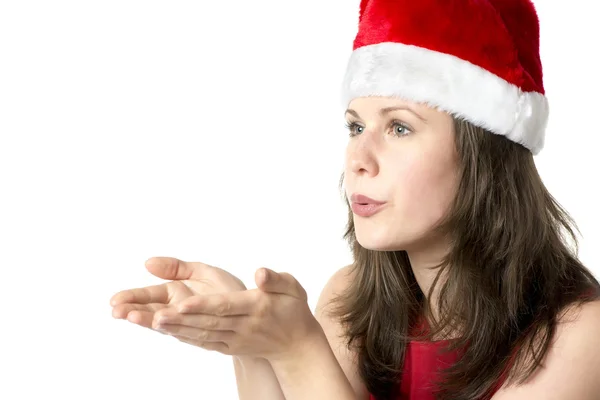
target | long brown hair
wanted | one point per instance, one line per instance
(510, 273)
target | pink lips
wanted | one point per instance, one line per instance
(365, 206)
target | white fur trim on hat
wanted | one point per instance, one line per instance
(450, 84)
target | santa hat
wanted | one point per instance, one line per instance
(476, 59)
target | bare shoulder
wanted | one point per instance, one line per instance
(571, 368)
(336, 284)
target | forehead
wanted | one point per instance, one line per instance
(371, 106)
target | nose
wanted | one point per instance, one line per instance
(361, 155)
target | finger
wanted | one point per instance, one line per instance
(120, 311)
(268, 280)
(142, 318)
(145, 295)
(170, 268)
(202, 321)
(148, 319)
(202, 335)
(222, 304)
(145, 319)
(210, 346)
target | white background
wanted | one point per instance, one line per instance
(206, 131)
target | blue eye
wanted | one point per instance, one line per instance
(400, 129)
(354, 128)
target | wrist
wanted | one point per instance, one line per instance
(244, 359)
(244, 365)
(303, 355)
(312, 372)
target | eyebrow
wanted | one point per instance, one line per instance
(386, 110)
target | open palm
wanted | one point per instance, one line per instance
(187, 279)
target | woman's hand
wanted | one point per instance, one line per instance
(273, 321)
(188, 279)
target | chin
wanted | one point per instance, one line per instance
(379, 241)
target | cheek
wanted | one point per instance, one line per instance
(425, 189)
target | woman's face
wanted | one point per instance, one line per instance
(403, 154)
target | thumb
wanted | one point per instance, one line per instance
(270, 281)
(170, 268)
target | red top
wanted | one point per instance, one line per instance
(422, 360)
(420, 365)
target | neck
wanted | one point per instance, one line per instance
(423, 260)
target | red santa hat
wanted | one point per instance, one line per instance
(476, 59)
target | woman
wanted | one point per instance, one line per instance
(463, 284)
